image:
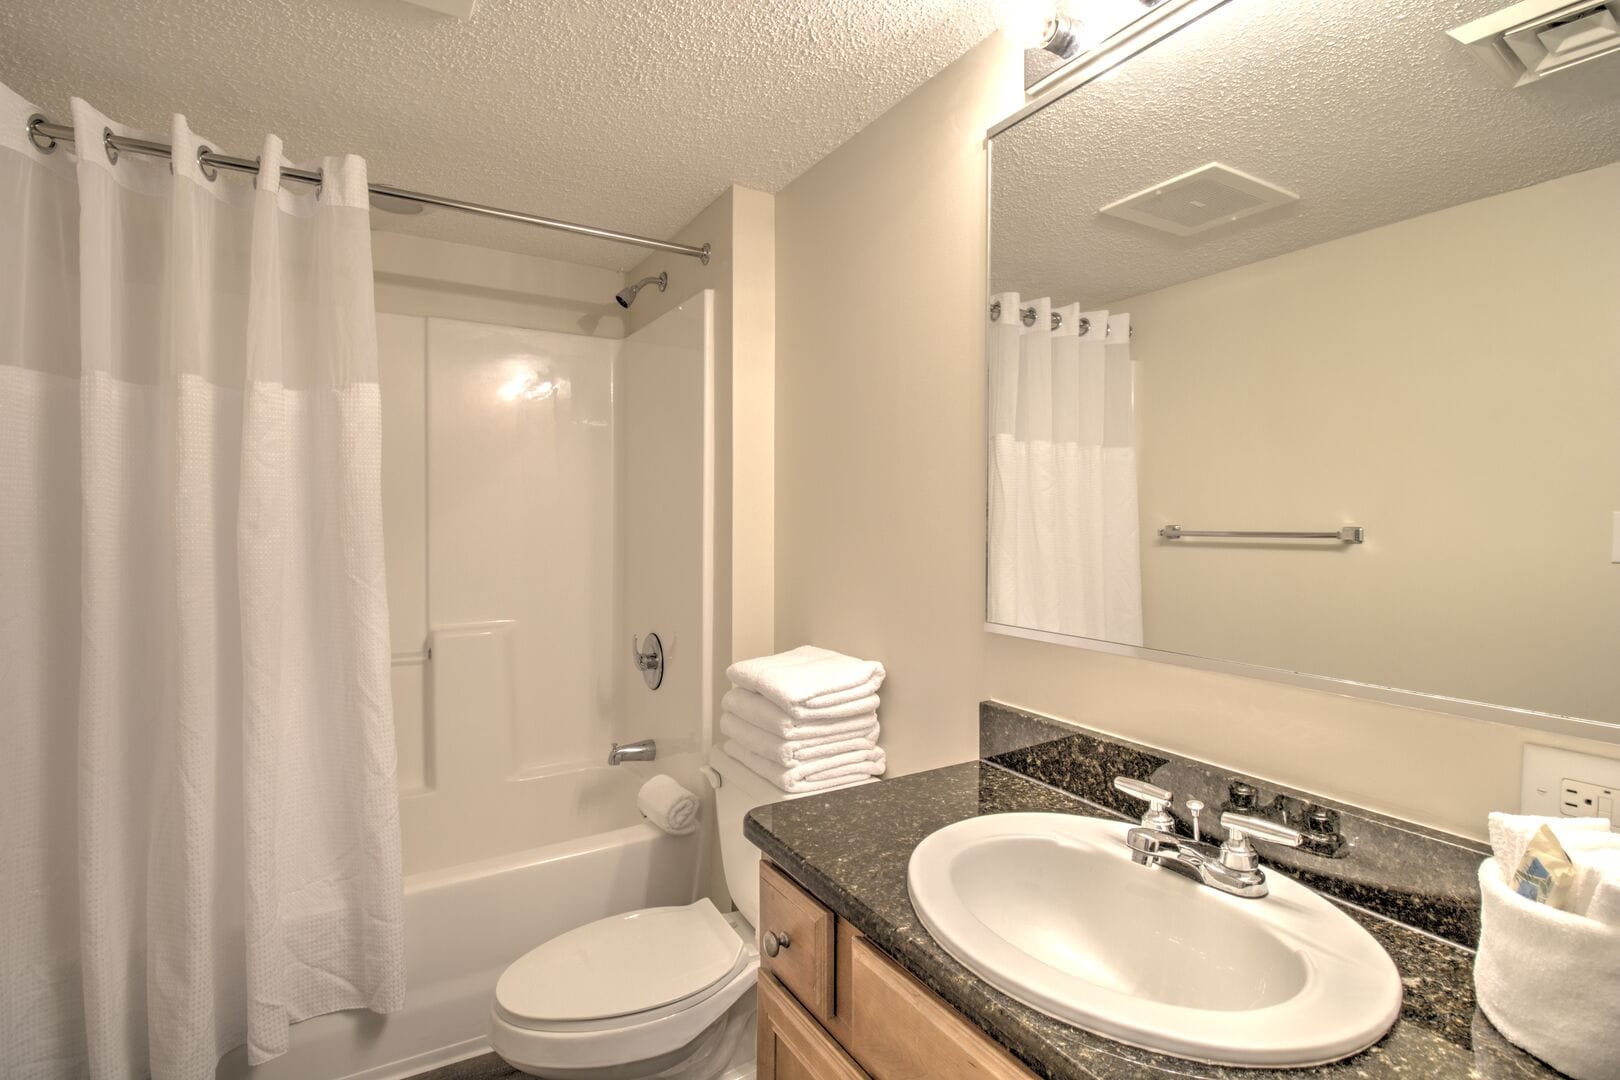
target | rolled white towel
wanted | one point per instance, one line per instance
(795, 750)
(798, 721)
(808, 676)
(818, 775)
(1511, 833)
(1597, 884)
(669, 806)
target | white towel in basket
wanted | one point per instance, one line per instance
(1530, 955)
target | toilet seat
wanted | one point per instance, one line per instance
(628, 987)
(643, 963)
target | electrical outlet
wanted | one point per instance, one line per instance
(1580, 799)
(1559, 783)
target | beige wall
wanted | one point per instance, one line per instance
(740, 226)
(1448, 382)
(418, 276)
(880, 496)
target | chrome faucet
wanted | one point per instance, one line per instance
(645, 750)
(1232, 868)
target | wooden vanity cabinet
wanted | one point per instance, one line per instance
(792, 1046)
(833, 1007)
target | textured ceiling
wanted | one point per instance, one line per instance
(1361, 107)
(628, 115)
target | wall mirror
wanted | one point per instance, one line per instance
(1304, 355)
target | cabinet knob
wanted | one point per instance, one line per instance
(775, 943)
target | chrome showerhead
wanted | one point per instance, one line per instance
(627, 295)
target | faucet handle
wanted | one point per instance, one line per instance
(1158, 799)
(1238, 853)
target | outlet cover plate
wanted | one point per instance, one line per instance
(1545, 770)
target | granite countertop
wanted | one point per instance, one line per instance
(850, 848)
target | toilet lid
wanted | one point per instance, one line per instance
(622, 964)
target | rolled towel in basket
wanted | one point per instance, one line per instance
(1510, 833)
(1530, 953)
(668, 805)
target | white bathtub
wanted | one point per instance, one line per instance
(463, 925)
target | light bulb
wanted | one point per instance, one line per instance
(1025, 21)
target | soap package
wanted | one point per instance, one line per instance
(1545, 875)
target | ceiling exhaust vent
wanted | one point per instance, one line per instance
(1529, 41)
(1207, 197)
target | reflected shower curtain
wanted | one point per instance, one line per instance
(199, 837)
(1064, 529)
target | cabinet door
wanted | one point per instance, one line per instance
(805, 964)
(791, 1045)
(900, 1031)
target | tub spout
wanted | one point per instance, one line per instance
(645, 750)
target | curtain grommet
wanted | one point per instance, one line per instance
(209, 170)
(107, 145)
(1082, 326)
(42, 142)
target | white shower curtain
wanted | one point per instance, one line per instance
(1064, 531)
(199, 838)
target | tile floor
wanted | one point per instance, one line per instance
(487, 1067)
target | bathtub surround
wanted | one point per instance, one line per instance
(509, 455)
(851, 849)
(438, 278)
(197, 788)
(741, 225)
(880, 538)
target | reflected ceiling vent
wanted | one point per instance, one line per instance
(1527, 42)
(1206, 198)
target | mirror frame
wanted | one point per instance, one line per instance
(1160, 23)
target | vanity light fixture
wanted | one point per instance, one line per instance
(1096, 43)
(1067, 35)
(1061, 37)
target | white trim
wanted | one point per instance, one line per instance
(1412, 699)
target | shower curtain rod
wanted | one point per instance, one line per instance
(45, 135)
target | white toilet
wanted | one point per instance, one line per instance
(662, 992)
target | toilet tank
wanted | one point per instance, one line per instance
(740, 790)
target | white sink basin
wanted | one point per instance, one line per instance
(1050, 909)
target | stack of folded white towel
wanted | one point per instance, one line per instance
(806, 719)
(1531, 952)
